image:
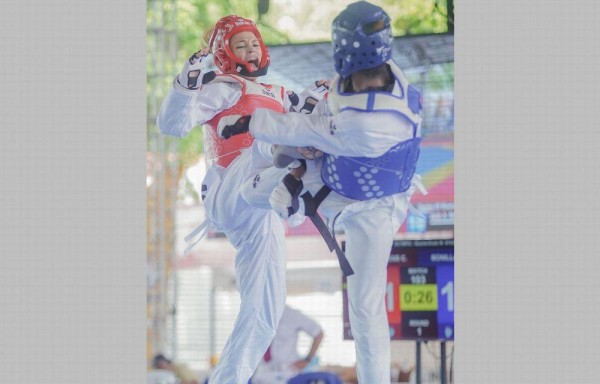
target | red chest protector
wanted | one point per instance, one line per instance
(254, 95)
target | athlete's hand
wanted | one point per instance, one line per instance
(189, 78)
(305, 102)
(284, 198)
(281, 201)
(301, 364)
(309, 153)
(321, 88)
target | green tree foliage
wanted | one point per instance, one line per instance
(412, 17)
(441, 77)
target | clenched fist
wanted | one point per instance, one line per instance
(198, 62)
(284, 198)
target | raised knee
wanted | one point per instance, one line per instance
(250, 194)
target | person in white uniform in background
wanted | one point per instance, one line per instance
(202, 96)
(369, 129)
(281, 362)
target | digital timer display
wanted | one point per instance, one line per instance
(418, 297)
(420, 291)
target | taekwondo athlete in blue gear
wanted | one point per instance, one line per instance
(369, 124)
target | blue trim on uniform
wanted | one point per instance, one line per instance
(370, 101)
(414, 99)
(414, 124)
(401, 97)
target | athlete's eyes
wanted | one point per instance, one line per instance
(243, 45)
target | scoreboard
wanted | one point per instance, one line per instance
(420, 291)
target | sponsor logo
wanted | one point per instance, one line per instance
(256, 180)
(332, 128)
(268, 92)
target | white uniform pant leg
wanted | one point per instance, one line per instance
(257, 189)
(260, 272)
(369, 238)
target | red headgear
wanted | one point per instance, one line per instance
(222, 53)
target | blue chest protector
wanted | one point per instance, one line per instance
(364, 178)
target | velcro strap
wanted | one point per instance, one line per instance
(208, 77)
(294, 99)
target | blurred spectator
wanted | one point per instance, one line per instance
(400, 373)
(403, 373)
(160, 376)
(282, 361)
(183, 373)
(347, 374)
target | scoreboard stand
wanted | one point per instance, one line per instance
(443, 379)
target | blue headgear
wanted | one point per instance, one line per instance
(354, 48)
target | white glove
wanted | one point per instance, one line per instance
(281, 200)
(319, 90)
(305, 102)
(296, 219)
(189, 78)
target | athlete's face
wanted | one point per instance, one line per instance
(245, 46)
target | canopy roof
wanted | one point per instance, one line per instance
(296, 66)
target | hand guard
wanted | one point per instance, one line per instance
(284, 198)
(281, 201)
(198, 62)
(284, 155)
(233, 125)
(306, 101)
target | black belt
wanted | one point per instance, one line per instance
(310, 210)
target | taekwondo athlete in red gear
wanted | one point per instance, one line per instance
(201, 96)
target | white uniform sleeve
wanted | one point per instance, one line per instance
(183, 110)
(350, 133)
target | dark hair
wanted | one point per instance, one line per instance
(380, 70)
(159, 359)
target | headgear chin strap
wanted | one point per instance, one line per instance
(223, 56)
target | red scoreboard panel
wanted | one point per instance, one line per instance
(420, 291)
